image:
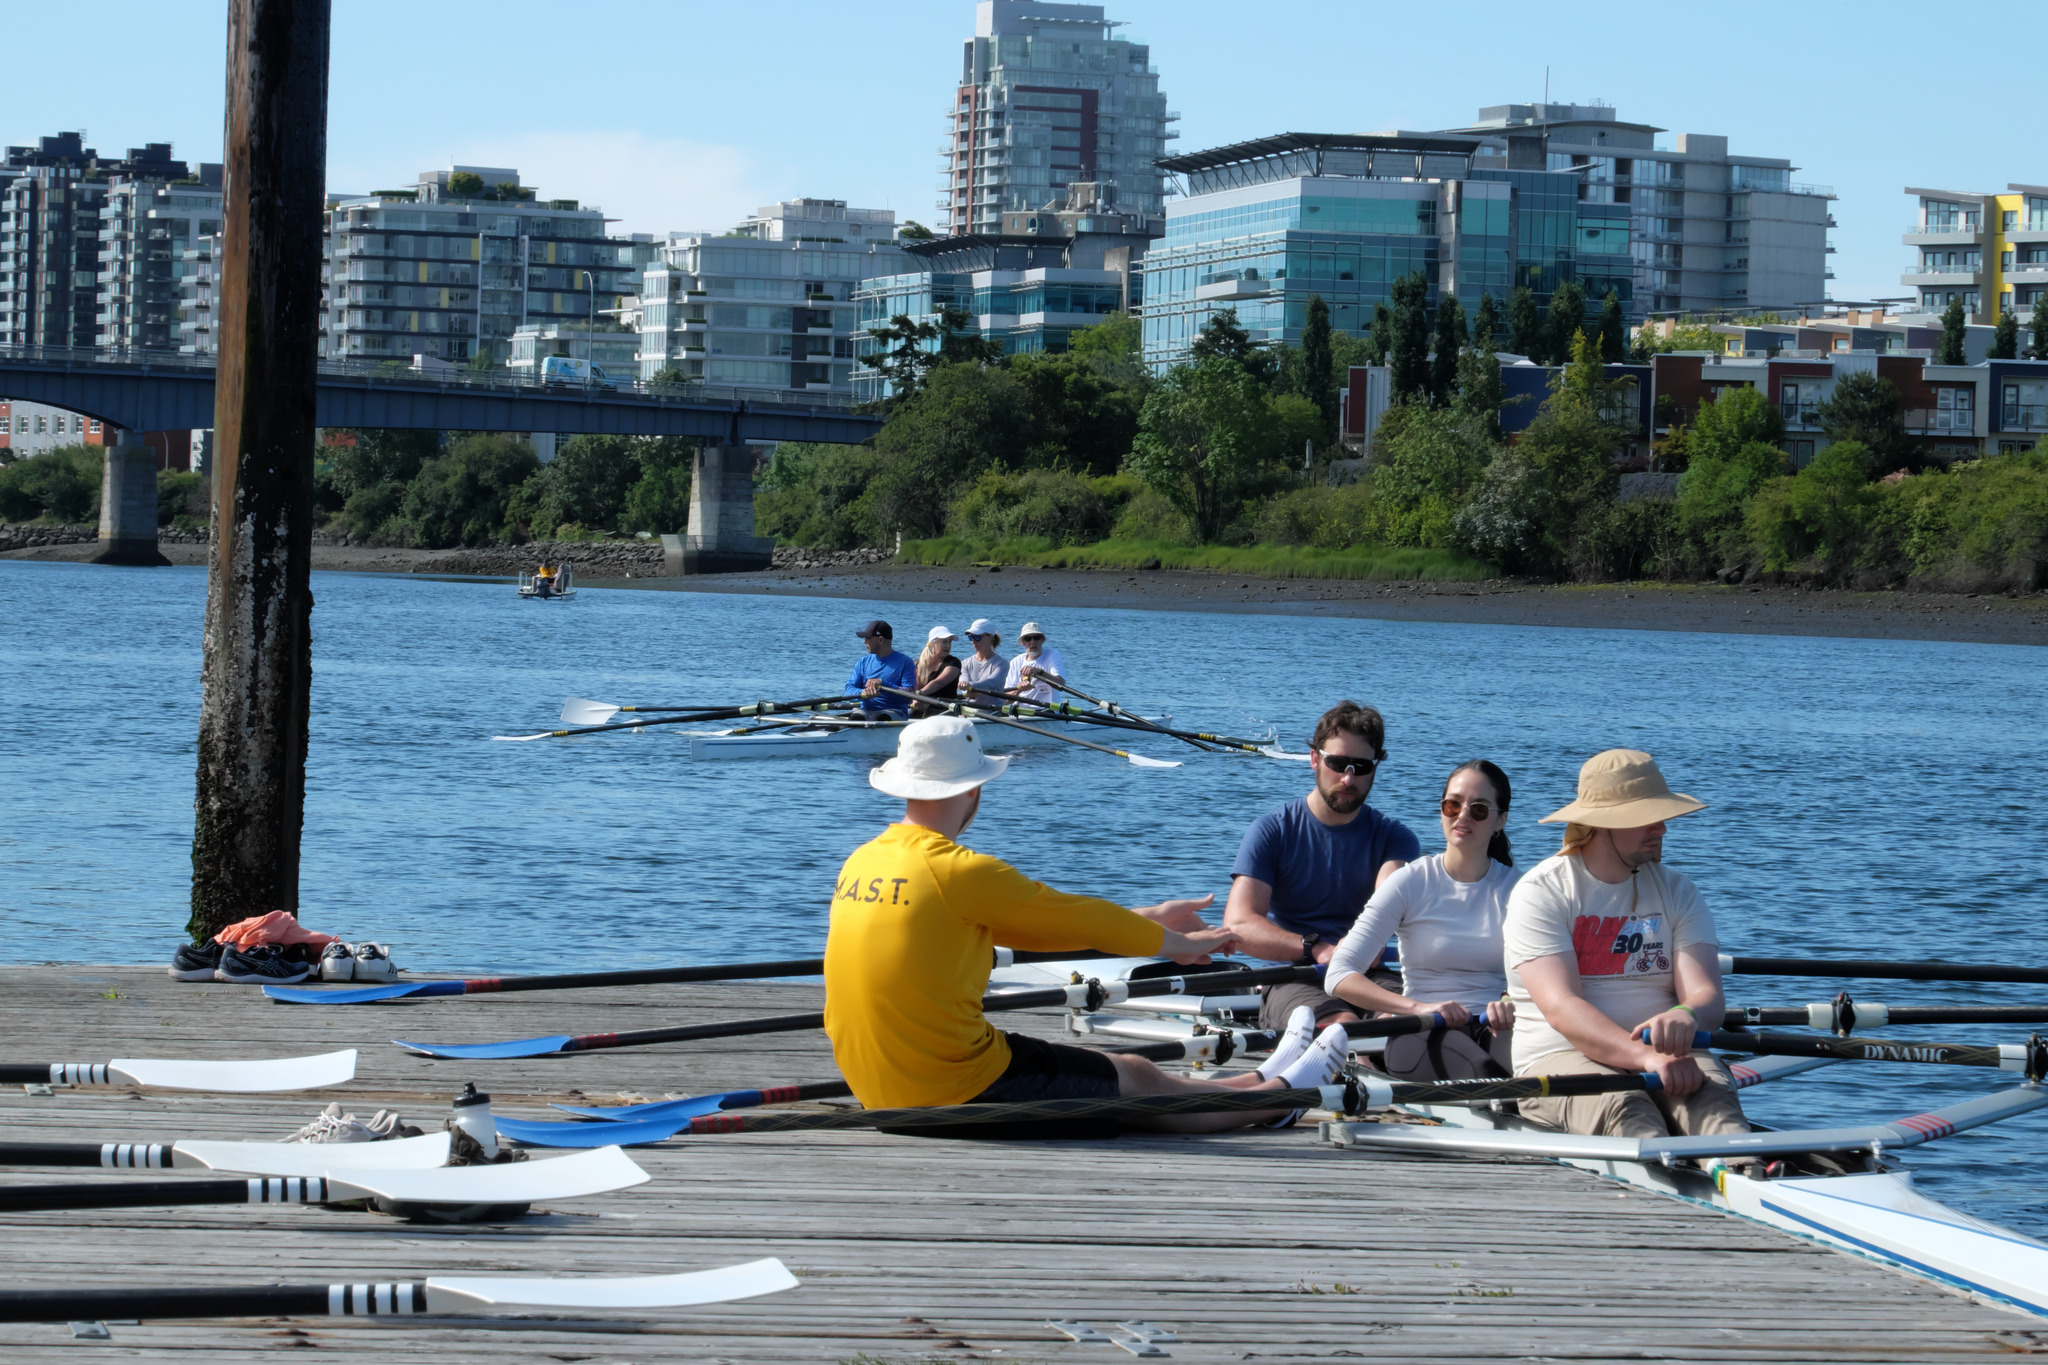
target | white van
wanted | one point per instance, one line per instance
(561, 369)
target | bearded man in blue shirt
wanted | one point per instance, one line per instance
(1305, 871)
(881, 666)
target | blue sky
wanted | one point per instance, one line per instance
(683, 116)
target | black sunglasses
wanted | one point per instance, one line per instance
(1349, 766)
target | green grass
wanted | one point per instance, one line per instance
(1256, 561)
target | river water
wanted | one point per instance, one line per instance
(1869, 798)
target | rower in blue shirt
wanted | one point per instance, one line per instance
(882, 665)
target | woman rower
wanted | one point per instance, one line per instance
(938, 672)
(983, 673)
(1446, 913)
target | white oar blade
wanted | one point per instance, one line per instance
(280, 1073)
(524, 1182)
(1139, 760)
(295, 1158)
(578, 711)
(523, 739)
(748, 1281)
(1271, 751)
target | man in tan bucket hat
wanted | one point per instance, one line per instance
(1602, 943)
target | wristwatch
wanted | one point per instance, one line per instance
(1309, 943)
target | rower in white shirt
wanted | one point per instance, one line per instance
(1037, 658)
(983, 674)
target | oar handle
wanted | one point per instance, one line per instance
(688, 1033)
(26, 1073)
(248, 1301)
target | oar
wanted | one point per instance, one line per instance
(249, 1158)
(582, 711)
(953, 708)
(1113, 709)
(1886, 971)
(575, 981)
(2029, 1058)
(1082, 995)
(525, 1182)
(434, 1295)
(280, 1073)
(759, 708)
(1126, 721)
(1843, 1015)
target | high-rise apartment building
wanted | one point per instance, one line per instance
(451, 267)
(1048, 98)
(1989, 250)
(51, 199)
(1711, 230)
(148, 228)
(769, 306)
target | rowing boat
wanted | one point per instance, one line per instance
(803, 738)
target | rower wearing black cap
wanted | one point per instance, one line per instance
(881, 666)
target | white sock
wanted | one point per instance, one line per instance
(1322, 1064)
(1294, 1040)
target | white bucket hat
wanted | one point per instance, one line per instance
(935, 759)
(938, 633)
(1031, 628)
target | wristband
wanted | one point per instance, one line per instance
(1688, 1012)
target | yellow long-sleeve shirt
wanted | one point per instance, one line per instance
(915, 919)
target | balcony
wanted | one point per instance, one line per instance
(1800, 416)
(1943, 274)
(1942, 232)
(1940, 422)
(2028, 268)
(2025, 417)
(1233, 289)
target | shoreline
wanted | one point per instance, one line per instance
(1753, 609)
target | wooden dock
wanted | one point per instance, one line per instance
(1269, 1246)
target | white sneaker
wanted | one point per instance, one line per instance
(373, 962)
(337, 963)
(1323, 1063)
(331, 1125)
(1294, 1040)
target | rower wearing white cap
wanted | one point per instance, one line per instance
(938, 672)
(914, 919)
(984, 673)
(1038, 657)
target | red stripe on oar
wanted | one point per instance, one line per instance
(483, 985)
(781, 1094)
(1928, 1124)
(719, 1123)
(1744, 1075)
(591, 1041)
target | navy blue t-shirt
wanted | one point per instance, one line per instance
(1321, 875)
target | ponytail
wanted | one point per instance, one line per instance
(1498, 848)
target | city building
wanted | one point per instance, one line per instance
(32, 428)
(1265, 224)
(1988, 250)
(1030, 287)
(451, 267)
(768, 306)
(148, 229)
(1871, 330)
(614, 349)
(195, 294)
(1047, 98)
(1710, 229)
(51, 199)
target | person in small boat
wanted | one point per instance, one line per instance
(1604, 942)
(543, 581)
(984, 671)
(1303, 871)
(938, 672)
(915, 915)
(881, 666)
(1037, 658)
(1445, 912)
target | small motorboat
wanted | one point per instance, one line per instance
(546, 584)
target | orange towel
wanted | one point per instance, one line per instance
(276, 927)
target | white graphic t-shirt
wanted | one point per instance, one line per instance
(1624, 938)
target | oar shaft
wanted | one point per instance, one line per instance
(763, 708)
(2026, 1057)
(105, 1154)
(1093, 995)
(25, 1073)
(647, 976)
(957, 709)
(134, 1194)
(1879, 970)
(689, 1033)
(246, 1301)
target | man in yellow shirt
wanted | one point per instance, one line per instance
(915, 917)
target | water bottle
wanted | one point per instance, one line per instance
(473, 1116)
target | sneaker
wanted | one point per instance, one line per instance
(263, 965)
(195, 963)
(331, 1125)
(337, 963)
(1294, 1040)
(373, 962)
(1322, 1064)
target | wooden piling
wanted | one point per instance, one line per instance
(250, 802)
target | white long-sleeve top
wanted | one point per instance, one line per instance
(1449, 932)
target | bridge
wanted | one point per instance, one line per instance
(166, 391)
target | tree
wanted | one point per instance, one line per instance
(459, 498)
(1203, 440)
(1731, 452)
(911, 350)
(480, 361)
(1819, 512)
(1408, 353)
(1869, 411)
(1486, 321)
(1074, 415)
(1480, 388)
(1223, 338)
(1379, 338)
(2037, 328)
(1424, 474)
(2005, 342)
(1952, 324)
(1525, 326)
(1317, 381)
(1443, 362)
(465, 184)
(1566, 321)
(1613, 334)
(585, 485)
(659, 503)
(1114, 349)
(914, 231)
(963, 420)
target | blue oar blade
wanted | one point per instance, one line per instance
(590, 1134)
(358, 995)
(696, 1106)
(518, 1047)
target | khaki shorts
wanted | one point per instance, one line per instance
(1278, 1002)
(1713, 1108)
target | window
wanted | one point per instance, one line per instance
(2009, 221)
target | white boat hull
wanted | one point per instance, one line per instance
(879, 739)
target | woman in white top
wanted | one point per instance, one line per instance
(1446, 913)
(981, 677)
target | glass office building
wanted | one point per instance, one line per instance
(1264, 225)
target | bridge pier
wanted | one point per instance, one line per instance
(128, 508)
(721, 535)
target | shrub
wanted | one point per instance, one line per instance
(1424, 474)
(1319, 516)
(1624, 540)
(1150, 518)
(1713, 495)
(460, 497)
(371, 515)
(1820, 514)
(182, 493)
(820, 495)
(1061, 507)
(62, 484)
